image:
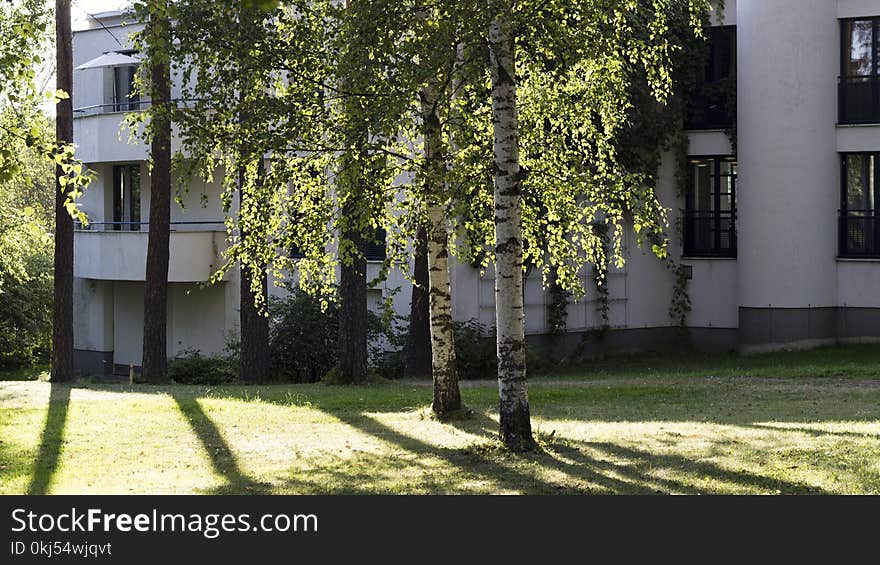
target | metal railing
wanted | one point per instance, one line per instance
(859, 100)
(114, 107)
(859, 234)
(136, 226)
(709, 234)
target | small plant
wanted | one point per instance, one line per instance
(193, 368)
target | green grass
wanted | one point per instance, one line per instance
(805, 422)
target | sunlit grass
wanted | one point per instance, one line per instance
(655, 431)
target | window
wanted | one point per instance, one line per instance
(127, 197)
(375, 250)
(710, 207)
(711, 106)
(124, 97)
(859, 95)
(859, 236)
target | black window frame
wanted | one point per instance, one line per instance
(376, 249)
(134, 205)
(708, 108)
(853, 220)
(850, 85)
(715, 217)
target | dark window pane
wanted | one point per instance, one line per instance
(710, 217)
(710, 107)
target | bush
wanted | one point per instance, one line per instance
(302, 337)
(193, 368)
(475, 350)
(26, 294)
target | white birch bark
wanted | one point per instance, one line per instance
(513, 394)
(447, 397)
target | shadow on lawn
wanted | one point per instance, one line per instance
(46, 462)
(577, 462)
(222, 458)
(561, 465)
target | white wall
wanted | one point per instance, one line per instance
(857, 8)
(789, 54)
(93, 315)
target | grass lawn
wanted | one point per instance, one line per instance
(804, 422)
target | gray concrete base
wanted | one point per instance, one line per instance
(95, 363)
(591, 345)
(771, 329)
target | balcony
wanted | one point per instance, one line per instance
(710, 234)
(859, 234)
(100, 136)
(859, 100)
(118, 251)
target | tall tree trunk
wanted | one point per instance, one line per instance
(516, 429)
(447, 397)
(254, 324)
(254, 353)
(351, 359)
(418, 341)
(155, 361)
(62, 317)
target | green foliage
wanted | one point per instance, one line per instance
(24, 29)
(27, 205)
(600, 88)
(193, 368)
(302, 338)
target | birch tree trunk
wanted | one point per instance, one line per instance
(155, 356)
(447, 397)
(62, 313)
(516, 430)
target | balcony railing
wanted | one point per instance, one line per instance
(710, 234)
(860, 234)
(202, 225)
(859, 100)
(110, 108)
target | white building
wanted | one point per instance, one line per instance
(782, 240)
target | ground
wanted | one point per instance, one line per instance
(805, 422)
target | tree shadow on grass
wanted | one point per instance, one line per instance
(222, 458)
(636, 476)
(815, 432)
(505, 470)
(51, 440)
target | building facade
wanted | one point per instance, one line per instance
(779, 237)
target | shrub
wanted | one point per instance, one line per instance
(193, 368)
(302, 337)
(26, 306)
(475, 353)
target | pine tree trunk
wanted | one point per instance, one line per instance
(516, 430)
(447, 397)
(155, 361)
(418, 341)
(351, 362)
(254, 349)
(62, 317)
